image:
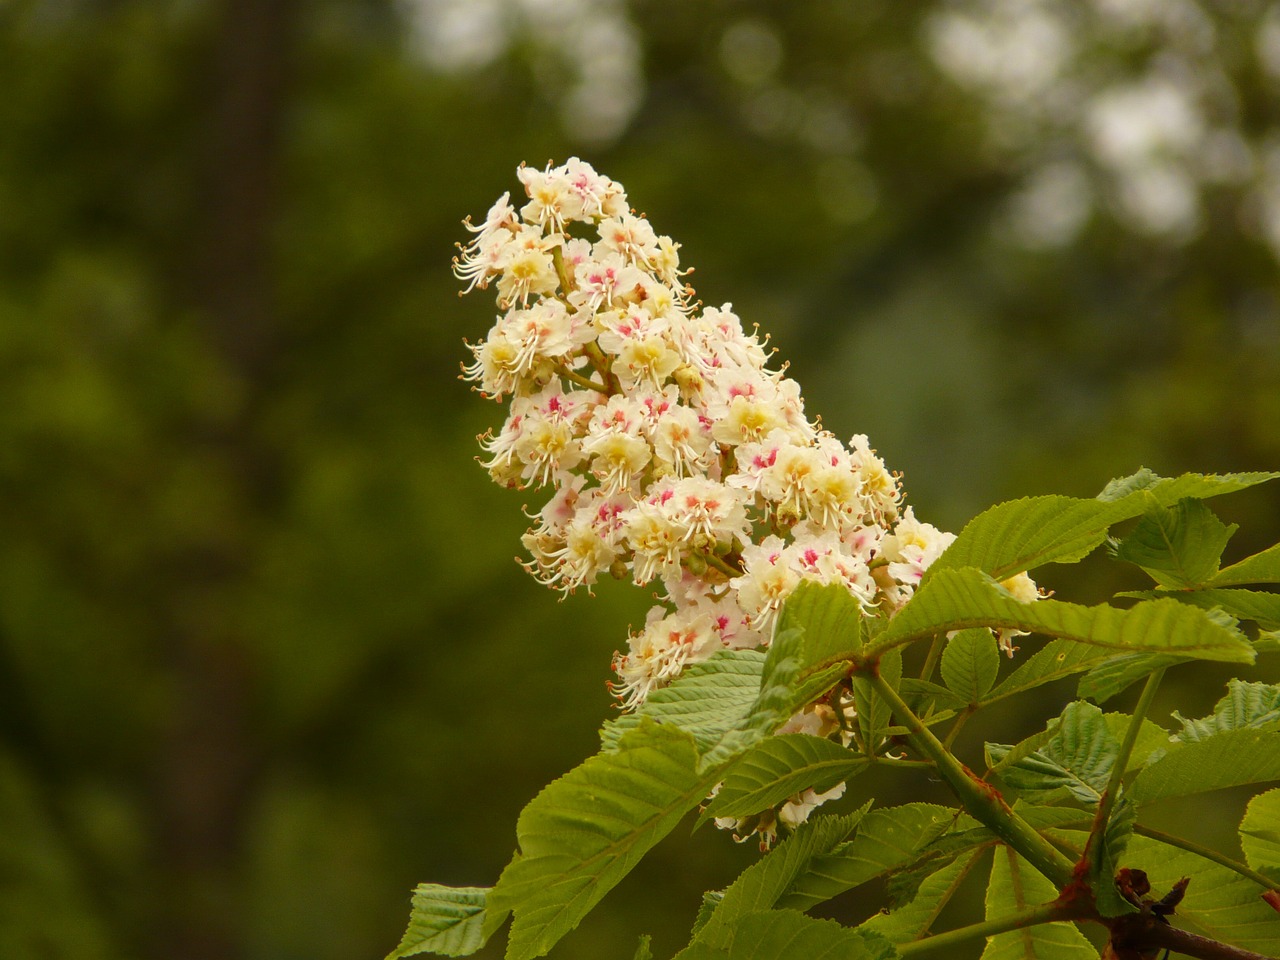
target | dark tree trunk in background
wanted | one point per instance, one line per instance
(208, 770)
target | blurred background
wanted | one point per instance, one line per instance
(265, 659)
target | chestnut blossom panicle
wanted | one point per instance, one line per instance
(674, 454)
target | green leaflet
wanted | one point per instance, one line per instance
(1023, 534)
(1246, 706)
(1226, 759)
(1117, 674)
(1016, 885)
(444, 920)
(819, 624)
(1106, 858)
(913, 921)
(1219, 903)
(708, 700)
(970, 663)
(1077, 758)
(780, 766)
(963, 836)
(1263, 567)
(886, 840)
(1260, 833)
(1055, 660)
(584, 832)
(1151, 744)
(788, 934)
(763, 884)
(957, 599)
(1261, 607)
(874, 714)
(926, 699)
(1178, 546)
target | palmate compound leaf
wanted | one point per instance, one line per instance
(584, 832)
(1260, 834)
(1015, 885)
(778, 768)
(959, 599)
(1178, 546)
(1024, 534)
(446, 921)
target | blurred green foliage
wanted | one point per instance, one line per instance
(265, 661)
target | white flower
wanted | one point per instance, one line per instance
(661, 651)
(912, 548)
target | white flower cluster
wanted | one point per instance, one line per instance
(675, 454)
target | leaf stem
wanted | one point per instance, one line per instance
(1208, 853)
(978, 798)
(931, 658)
(1108, 800)
(943, 943)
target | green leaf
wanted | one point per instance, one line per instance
(970, 664)
(926, 698)
(1117, 674)
(643, 950)
(788, 934)
(1247, 706)
(829, 625)
(708, 700)
(1219, 903)
(778, 768)
(1014, 886)
(1165, 490)
(1077, 758)
(1023, 534)
(874, 713)
(1106, 858)
(1260, 833)
(1261, 607)
(584, 832)
(886, 840)
(444, 920)
(1055, 660)
(762, 885)
(914, 920)
(1226, 759)
(1179, 546)
(958, 599)
(1262, 567)
(1152, 741)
